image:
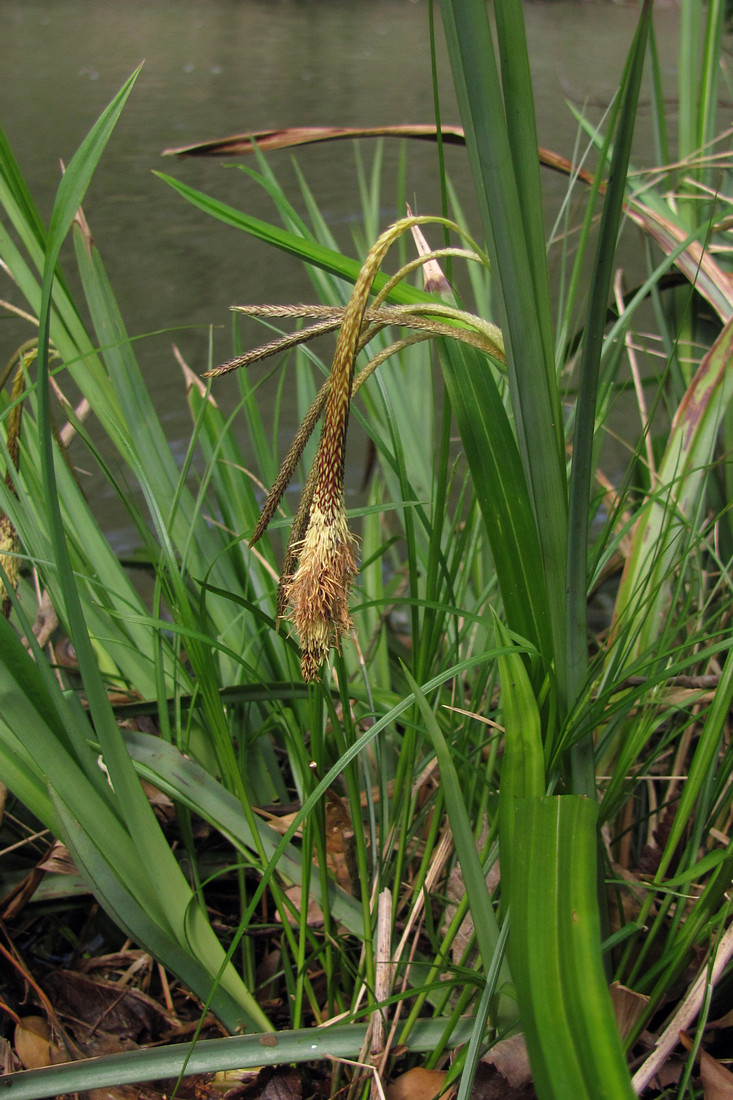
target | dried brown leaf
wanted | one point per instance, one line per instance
(289, 136)
(271, 1083)
(315, 913)
(417, 1084)
(34, 1046)
(628, 1006)
(717, 1081)
(110, 1006)
(510, 1058)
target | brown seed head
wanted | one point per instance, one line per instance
(318, 590)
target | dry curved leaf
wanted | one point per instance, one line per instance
(417, 1084)
(628, 1006)
(717, 1081)
(34, 1045)
(510, 1058)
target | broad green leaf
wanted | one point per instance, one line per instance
(504, 186)
(195, 959)
(212, 1055)
(523, 762)
(581, 476)
(555, 954)
(188, 784)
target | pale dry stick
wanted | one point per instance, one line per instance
(374, 900)
(435, 870)
(166, 989)
(69, 430)
(42, 833)
(638, 388)
(383, 978)
(698, 158)
(362, 988)
(653, 815)
(685, 1014)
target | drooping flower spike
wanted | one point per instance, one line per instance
(320, 562)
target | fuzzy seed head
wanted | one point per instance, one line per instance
(318, 590)
(9, 547)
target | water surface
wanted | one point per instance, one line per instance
(215, 67)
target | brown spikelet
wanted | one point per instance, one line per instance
(9, 560)
(318, 589)
(9, 541)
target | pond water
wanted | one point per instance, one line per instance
(216, 67)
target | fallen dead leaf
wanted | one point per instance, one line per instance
(456, 891)
(510, 1058)
(289, 136)
(315, 913)
(122, 1092)
(628, 1006)
(34, 1045)
(417, 1084)
(717, 1081)
(110, 1006)
(271, 1083)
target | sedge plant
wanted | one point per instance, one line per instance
(455, 707)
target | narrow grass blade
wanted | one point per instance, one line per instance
(153, 868)
(188, 784)
(708, 747)
(474, 879)
(311, 252)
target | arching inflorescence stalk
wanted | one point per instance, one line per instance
(320, 562)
